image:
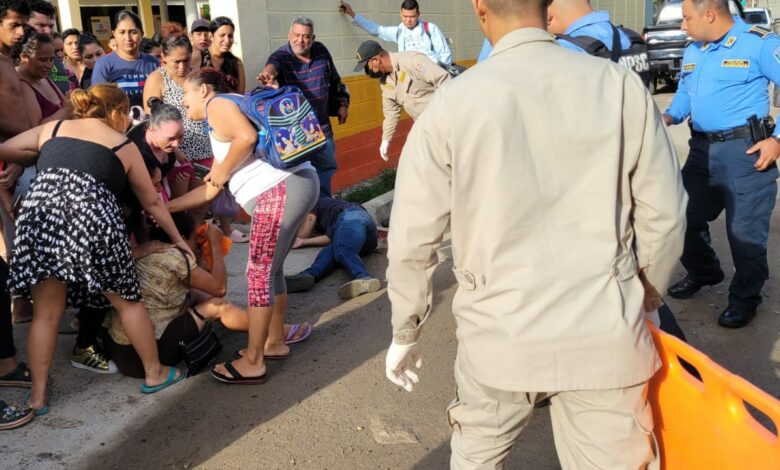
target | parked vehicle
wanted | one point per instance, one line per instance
(760, 17)
(666, 42)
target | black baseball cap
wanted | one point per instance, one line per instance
(200, 24)
(368, 50)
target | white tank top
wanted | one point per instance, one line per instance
(253, 176)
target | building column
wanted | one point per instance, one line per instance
(164, 11)
(70, 14)
(190, 12)
(252, 43)
(147, 18)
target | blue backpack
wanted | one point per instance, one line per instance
(288, 132)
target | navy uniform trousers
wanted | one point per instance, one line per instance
(720, 176)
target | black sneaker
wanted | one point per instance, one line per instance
(300, 282)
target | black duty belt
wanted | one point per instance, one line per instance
(741, 132)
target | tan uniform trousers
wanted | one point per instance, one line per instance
(594, 429)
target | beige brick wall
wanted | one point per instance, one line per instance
(263, 25)
(336, 31)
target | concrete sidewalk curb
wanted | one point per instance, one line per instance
(379, 207)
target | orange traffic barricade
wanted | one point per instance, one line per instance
(705, 423)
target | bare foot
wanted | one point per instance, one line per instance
(278, 350)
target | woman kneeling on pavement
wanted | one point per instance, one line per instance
(71, 247)
(278, 201)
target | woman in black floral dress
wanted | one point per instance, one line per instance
(70, 245)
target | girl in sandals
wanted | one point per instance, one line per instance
(278, 201)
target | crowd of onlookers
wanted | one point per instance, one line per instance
(116, 202)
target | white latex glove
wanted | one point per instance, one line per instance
(399, 362)
(383, 150)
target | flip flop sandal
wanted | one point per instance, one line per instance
(40, 411)
(19, 377)
(240, 353)
(12, 417)
(237, 378)
(294, 329)
(238, 237)
(172, 379)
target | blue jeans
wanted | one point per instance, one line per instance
(325, 164)
(354, 235)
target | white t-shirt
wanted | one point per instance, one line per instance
(253, 176)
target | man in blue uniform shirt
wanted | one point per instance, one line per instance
(575, 18)
(724, 79)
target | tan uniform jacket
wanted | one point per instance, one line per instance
(411, 85)
(559, 183)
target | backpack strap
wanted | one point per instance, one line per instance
(615, 56)
(589, 44)
(427, 31)
(238, 99)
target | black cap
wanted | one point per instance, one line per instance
(365, 52)
(200, 24)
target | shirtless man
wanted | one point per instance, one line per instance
(13, 17)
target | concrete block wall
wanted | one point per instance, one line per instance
(629, 13)
(336, 31)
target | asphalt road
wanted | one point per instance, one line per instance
(328, 406)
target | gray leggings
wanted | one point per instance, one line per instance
(300, 195)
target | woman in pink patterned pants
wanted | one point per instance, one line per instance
(278, 201)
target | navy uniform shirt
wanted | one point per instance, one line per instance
(723, 83)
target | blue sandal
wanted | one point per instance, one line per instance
(39, 411)
(172, 379)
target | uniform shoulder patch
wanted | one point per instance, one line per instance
(735, 63)
(759, 31)
(730, 41)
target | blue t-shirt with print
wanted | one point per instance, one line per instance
(129, 75)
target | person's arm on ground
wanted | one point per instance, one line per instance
(152, 88)
(656, 186)
(441, 48)
(321, 240)
(212, 282)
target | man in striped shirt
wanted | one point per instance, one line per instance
(307, 64)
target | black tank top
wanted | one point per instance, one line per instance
(84, 156)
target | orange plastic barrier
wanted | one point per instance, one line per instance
(704, 424)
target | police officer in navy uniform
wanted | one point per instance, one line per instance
(731, 165)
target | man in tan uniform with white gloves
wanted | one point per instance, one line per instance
(561, 184)
(407, 79)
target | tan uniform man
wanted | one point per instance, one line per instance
(558, 195)
(408, 80)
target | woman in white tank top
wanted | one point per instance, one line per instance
(278, 201)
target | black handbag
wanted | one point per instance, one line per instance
(199, 352)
